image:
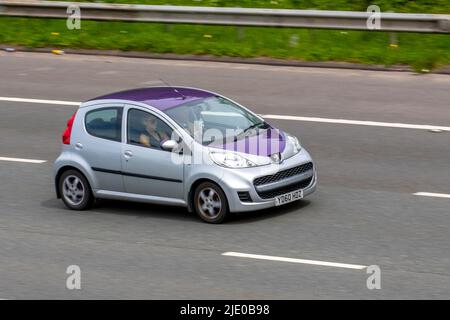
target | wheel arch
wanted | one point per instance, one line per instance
(194, 185)
(61, 172)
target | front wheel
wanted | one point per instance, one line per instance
(210, 203)
(75, 190)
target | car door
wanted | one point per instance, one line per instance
(100, 144)
(147, 169)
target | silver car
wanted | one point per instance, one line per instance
(179, 146)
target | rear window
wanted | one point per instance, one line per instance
(105, 123)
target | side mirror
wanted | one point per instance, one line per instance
(169, 145)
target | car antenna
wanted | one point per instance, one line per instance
(173, 88)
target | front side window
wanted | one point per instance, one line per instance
(147, 130)
(105, 123)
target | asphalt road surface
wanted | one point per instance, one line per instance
(365, 211)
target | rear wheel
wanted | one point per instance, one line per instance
(210, 203)
(75, 190)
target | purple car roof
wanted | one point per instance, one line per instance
(161, 98)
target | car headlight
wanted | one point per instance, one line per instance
(295, 143)
(230, 160)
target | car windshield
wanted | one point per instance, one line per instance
(216, 119)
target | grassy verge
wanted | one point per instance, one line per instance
(421, 51)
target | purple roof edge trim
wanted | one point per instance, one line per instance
(161, 98)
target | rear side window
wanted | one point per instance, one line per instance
(105, 123)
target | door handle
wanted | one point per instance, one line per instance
(78, 146)
(128, 154)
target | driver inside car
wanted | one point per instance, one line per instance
(152, 137)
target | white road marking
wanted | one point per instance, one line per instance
(152, 83)
(22, 160)
(43, 69)
(430, 194)
(66, 103)
(358, 122)
(108, 72)
(273, 116)
(283, 259)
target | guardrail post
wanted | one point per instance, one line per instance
(393, 39)
(168, 27)
(240, 33)
(293, 41)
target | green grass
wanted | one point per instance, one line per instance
(418, 6)
(421, 51)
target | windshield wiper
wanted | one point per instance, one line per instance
(253, 126)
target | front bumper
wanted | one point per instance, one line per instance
(241, 180)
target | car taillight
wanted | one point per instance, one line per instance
(68, 131)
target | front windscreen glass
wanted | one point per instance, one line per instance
(215, 119)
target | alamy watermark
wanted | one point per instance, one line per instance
(254, 147)
(374, 280)
(74, 19)
(374, 20)
(73, 281)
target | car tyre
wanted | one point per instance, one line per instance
(210, 203)
(75, 190)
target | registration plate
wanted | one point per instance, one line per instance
(288, 197)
